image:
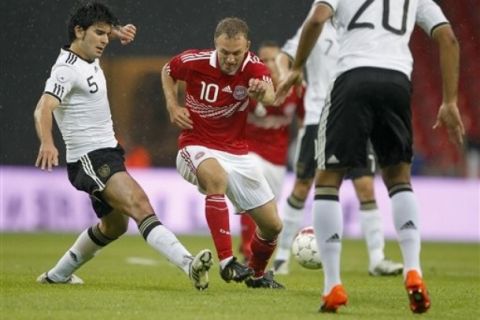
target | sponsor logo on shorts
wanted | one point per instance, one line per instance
(199, 155)
(104, 171)
(240, 92)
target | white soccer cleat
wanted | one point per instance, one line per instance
(386, 268)
(43, 278)
(199, 267)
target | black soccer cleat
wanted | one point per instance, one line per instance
(264, 282)
(235, 271)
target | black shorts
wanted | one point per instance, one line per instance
(306, 164)
(368, 171)
(366, 103)
(92, 171)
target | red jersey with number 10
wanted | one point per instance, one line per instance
(217, 102)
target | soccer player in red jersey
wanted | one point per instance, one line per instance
(213, 151)
(268, 134)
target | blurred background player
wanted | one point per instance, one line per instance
(76, 93)
(370, 100)
(320, 67)
(268, 134)
(213, 152)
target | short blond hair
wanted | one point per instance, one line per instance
(231, 26)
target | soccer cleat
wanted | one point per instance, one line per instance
(386, 268)
(280, 267)
(199, 267)
(235, 271)
(334, 300)
(73, 279)
(264, 282)
(417, 292)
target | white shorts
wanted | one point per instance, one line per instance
(274, 173)
(247, 187)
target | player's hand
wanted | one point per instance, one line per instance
(180, 116)
(293, 77)
(256, 89)
(47, 157)
(449, 117)
(125, 34)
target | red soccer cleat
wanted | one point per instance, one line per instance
(417, 292)
(334, 300)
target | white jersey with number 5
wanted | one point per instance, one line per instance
(376, 33)
(84, 116)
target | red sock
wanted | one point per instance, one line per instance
(261, 252)
(216, 213)
(248, 227)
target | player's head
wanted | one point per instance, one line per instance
(267, 52)
(89, 26)
(231, 43)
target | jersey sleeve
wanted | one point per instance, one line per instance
(331, 3)
(429, 16)
(61, 81)
(177, 68)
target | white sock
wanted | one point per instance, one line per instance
(292, 220)
(224, 262)
(372, 229)
(328, 225)
(165, 242)
(82, 250)
(406, 221)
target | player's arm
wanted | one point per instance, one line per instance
(178, 114)
(312, 28)
(261, 91)
(125, 34)
(47, 153)
(448, 114)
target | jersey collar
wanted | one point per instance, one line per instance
(213, 60)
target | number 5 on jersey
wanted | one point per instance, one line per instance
(92, 84)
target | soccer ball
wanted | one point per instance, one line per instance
(305, 250)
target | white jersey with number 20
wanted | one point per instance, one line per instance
(376, 33)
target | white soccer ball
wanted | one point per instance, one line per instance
(305, 250)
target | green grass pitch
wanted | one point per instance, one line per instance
(117, 289)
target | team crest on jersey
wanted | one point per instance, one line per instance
(104, 171)
(240, 92)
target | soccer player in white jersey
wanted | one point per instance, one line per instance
(370, 99)
(76, 94)
(320, 68)
(213, 151)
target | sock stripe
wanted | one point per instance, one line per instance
(368, 205)
(326, 193)
(98, 237)
(401, 187)
(295, 203)
(148, 224)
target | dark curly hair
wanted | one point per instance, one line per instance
(85, 14)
